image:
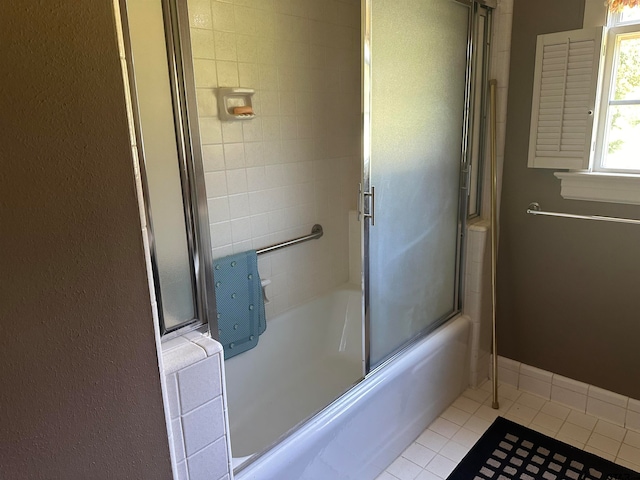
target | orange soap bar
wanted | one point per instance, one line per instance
(242, 110)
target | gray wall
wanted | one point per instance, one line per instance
(568, 290)
(80, 389)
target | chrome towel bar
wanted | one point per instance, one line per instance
(316, 232)
(534, 209)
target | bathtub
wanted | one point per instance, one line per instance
(306, 358)
(311, 355)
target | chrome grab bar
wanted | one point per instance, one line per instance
(316, 232)
(534, 209)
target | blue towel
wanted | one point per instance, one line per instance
(239, 300)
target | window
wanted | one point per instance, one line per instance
(564, 99)
(586, 109)
(618, 135)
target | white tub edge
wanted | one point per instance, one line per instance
(357, 436)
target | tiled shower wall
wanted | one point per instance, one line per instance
(297, 163)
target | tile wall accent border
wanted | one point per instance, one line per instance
(197, 405)
(613, 407)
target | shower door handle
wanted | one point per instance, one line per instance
(372, 205)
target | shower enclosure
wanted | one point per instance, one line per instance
(417, 86)
(362, 121)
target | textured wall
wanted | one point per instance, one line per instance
(80, 394)
(567, 289)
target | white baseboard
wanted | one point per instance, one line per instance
(610, 406)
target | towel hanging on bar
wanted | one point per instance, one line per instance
(239, 301)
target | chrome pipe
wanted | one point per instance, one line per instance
(534, 209)
(316, 232)
(494, 240)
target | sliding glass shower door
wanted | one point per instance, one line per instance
(416, 83)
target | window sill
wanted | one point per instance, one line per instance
(600, 187)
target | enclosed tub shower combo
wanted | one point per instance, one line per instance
(308, 170)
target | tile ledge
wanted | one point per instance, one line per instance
(185, 350)
(181, 357)
(478, 224)
(203, 340)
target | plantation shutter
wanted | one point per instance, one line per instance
(564, 99)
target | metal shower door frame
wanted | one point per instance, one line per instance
(183, 96)
(474, 7)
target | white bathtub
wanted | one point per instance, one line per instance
(306, 358)
(309, 356)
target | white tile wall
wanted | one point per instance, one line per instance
(569, 396)
(194, 380)
(477, 299)
(614, 408)
(298, 162)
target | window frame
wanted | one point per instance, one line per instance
(615, 29)
(584, 184)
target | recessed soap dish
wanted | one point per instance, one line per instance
(232, 97)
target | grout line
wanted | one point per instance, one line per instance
(520, 395)
(516, 369)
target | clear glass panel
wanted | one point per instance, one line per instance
(623, 115)
(623, 138)
(161, 160)
(627, 70)
(419, 61)
(630, 15)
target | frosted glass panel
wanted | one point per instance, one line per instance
(477, 112)
(418, 65)
(161, 160)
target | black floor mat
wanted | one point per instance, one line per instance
(510, 451)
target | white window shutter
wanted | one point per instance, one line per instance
(564, 99)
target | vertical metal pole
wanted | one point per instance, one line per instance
(494, 240)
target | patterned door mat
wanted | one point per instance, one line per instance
(510, 451)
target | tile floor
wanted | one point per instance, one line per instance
(437, 451)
